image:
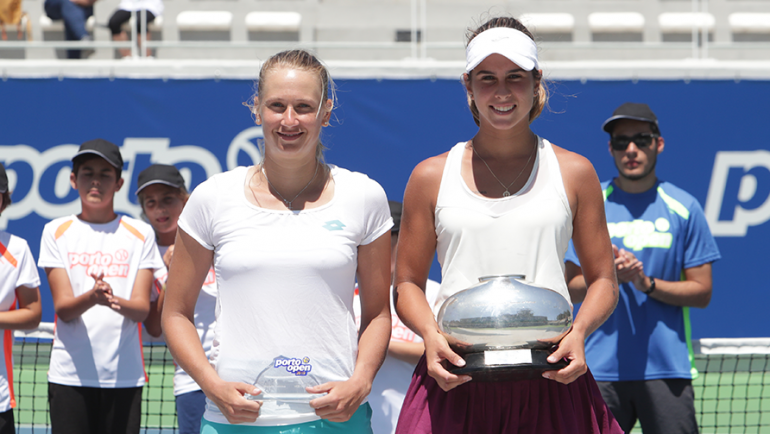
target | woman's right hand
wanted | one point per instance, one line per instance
(228, 396)
(437, 353)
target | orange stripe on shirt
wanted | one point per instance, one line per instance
(62, 229)
(141, 351)
(53, 341)
(133, 230)
(7, 255)
(8, 353)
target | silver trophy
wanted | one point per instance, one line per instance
(505, 327)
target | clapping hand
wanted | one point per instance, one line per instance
(628, 268)
(103, 292)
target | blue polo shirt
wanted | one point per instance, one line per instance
(645, 339)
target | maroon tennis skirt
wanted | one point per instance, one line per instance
(521, 407)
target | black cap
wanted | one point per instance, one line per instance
(160, 174)
(631, 110)
(395, 214)
(3, 179)
(107, 150)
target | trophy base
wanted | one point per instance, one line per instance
(284, 397)
(507, 365)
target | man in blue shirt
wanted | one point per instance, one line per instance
(642, 355)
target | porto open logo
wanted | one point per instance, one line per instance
(40, 179)
(739, 193)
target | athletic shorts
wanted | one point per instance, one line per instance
(190, 407)
(359, 423)
(120, 17)
(7, 423)
(84, 410)
(663, 406)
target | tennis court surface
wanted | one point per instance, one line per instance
(732, 390)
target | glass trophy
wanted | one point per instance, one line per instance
(285, 380)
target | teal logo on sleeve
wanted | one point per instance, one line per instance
(334, 225)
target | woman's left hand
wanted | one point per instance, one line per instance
(342, 399)
(572, 348)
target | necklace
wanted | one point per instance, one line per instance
(506, 193)
(285, 201)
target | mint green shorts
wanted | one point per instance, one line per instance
(359, 423)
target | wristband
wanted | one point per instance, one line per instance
(652, 286)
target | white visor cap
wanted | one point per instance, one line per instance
(511, 43)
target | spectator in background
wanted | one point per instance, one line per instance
(154, 9)
(19, 283)
(74, 13)
(100, 269)
(405, 349)
(162, 196)
(663, 253)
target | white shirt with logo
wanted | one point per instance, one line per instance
(101, 348)
(205, 322)
(286, 282)
(17, 268)
(392, 381)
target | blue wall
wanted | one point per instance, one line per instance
(384, 128)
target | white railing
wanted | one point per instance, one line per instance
(579, 23)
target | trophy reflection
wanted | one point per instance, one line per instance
(504, 328)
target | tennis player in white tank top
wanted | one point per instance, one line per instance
(472, 230)
(505, 202)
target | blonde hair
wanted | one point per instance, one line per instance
(306, 61)
(541, 92)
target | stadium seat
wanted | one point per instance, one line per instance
(750, 26)
(616, 26)
(54, 31)
(677, 26)
(273, 26)
(204, 25)
(14, 32)
(49, 25)
(550, 27)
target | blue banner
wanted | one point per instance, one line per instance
(715, 149)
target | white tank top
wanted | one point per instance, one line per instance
(526, 233)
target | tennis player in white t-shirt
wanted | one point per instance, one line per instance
(19, 304)
(288, 238)
(100, 270)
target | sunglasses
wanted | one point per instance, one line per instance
(642, 140)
